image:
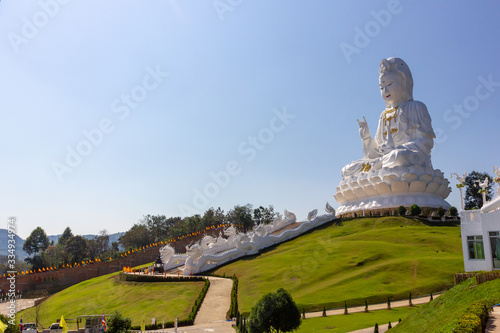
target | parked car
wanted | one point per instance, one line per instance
(55, 328)
(30, 327)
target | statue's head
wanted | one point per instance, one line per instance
(397, 73)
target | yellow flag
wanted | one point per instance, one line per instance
(63, 325)
(3, 327)
(143, 323)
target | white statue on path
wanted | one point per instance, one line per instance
(396, 167)
(404, 135)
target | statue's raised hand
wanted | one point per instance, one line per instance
(364, 131)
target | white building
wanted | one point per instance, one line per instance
(481, 237)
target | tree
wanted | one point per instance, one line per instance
(274, 311)
(36, 242)
(98, 247)
(441, 211)
(402, 210)
(415, 210)
(453, 211)
(118, 323)
(77, 249)
(67, 234)
(137, 236)
(264, 215)
(10, 328)
(474, 199)
(157, 226)
(241, 215)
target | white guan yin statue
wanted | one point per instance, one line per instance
(396, 168)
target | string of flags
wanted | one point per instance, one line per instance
(122, 255)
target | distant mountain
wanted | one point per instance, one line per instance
(112, 237)
(4, 245)
(21, 255)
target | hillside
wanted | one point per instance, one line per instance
(105, 294)
(4, 237)
(442, 314)
(370, 258)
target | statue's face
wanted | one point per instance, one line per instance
(392, 88)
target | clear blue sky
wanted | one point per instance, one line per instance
(174, 92)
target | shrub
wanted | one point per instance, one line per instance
(469, 323)
(415, 210)
(402, 210)
(233, 310)
(274, 312)
(118, 323)
(153, 278)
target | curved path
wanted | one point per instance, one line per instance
(216, 303)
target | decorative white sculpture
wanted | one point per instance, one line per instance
(396, 167)
(483, 187)
(460, 186)
(211, 252)
(496, 170)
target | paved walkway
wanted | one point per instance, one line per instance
(21, 304)
(493, 325)
(216, 303)
(381, 328)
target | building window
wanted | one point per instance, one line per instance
(495, 248)
(476, 247)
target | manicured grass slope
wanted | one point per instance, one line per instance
(361, 258)
(442, 314)
(105, 294)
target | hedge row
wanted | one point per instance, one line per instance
(233, 310)
(475, 318)
(183, 322)
(156, 278)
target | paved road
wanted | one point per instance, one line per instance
(21, 304)
(216, 303)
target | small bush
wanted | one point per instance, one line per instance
(453, 211)
(469, 323)
(118, 323)
(402, 210)
(233, 310)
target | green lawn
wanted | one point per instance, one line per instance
(105, 294)
(442, 314)
(362, 258)
(355, 321)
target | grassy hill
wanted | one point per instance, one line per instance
(442, 314)
(358, 259)
(105, 294)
